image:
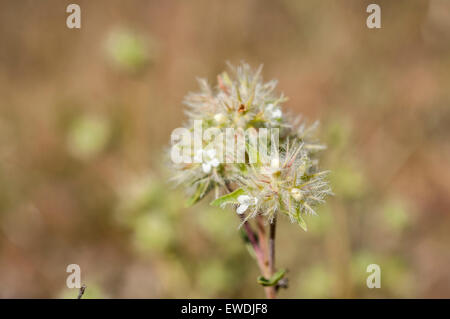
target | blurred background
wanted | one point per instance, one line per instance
(86, 115)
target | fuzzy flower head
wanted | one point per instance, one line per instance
(290, 184)
(287, 182)
(242, 100)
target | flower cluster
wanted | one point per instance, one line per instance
(240, 102)
(288, 181)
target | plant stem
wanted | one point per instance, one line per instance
(260, 249)
(263, 243)
(273, 226)
(260, 255)
(252, 238)
(270, 291)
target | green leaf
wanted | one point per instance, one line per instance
(273, 280)
(199, 194)
(230, 198)
(301, 221)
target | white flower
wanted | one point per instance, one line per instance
(208, 159)
(245, 201)
(275, 112)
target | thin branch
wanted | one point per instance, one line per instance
(81, 292)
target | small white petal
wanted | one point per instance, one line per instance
(211, 153)
(215, 162)
(206, 167)
(277, 113)
(198, 156)
(243, 199)
(241, 209)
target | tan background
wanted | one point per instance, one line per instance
(85, 116)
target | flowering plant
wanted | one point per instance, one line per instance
(230, 126)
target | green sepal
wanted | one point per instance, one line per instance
(273, 280)
(199, 194)
(301, 222)
(230, 198)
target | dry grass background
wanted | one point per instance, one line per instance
(85, 116)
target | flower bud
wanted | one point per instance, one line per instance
(275, 163)
(296, 194)
(219, 118)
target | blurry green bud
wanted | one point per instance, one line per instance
(88, 136)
